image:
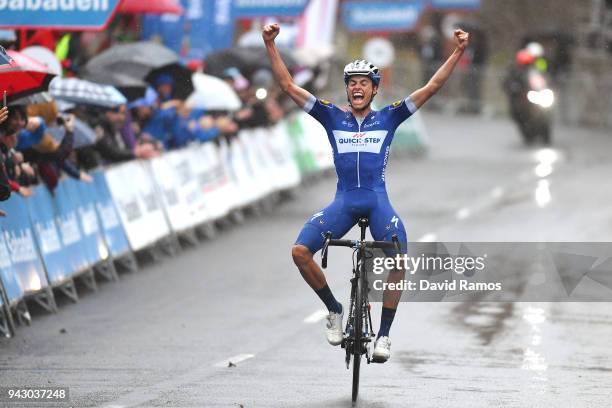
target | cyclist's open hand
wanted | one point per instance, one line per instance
(461, 39)
(270, 31)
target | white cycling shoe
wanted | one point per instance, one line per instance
(382, 350)
(334, 332)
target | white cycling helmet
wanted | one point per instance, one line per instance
(362, 67)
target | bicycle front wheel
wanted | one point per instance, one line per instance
(358, 336)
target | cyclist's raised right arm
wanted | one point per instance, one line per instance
(299, 95)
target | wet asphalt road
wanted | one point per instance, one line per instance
(161, 337)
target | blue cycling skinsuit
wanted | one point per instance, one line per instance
(361, 150)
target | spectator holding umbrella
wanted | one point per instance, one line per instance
(4, 114)
(9, 171)
(164, 86)
(156, 120)
(110, 146)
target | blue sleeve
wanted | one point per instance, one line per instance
(204, 135)
(399, 111)
(28, 139)
(321, 110)
(71, 169)
(181, 134)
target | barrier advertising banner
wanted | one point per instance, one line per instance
(19, 239)
(42, 215)
(67, 216)
(116, 240)
(8, 275)
(93, 237)
(139, 208)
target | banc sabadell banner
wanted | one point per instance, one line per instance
(394, 15)
(381, 15)
(59, 14)
(455, 4)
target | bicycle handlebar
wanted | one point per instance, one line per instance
(394, 244)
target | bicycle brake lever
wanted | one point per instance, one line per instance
(328, 236)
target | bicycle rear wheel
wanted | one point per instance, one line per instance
(358, 336)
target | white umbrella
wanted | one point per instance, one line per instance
(45, 57)
(212, 93)
(80, 91)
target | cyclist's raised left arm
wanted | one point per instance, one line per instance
(299, 95)
(420, 96)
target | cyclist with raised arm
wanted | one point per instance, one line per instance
(360, 138)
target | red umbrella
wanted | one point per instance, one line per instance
(23, 76)
(149, 7)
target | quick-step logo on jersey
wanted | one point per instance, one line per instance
(351, 142)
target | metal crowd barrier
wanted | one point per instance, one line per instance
(84, 230)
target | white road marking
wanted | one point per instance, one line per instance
(429, 237)
(316, 316)
(234, 360)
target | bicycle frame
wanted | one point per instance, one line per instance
(359, 330)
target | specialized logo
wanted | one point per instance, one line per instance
(394, 221)
(325, 101)
(320, 213)
(369, 141)
(396, 104)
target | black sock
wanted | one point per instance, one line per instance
(386, 319)
(328, 298)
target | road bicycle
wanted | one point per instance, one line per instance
(359, 333)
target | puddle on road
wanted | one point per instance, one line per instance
(486, 320)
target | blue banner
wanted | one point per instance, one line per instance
(8, 274)
(67, 217)
(381, 15)
(455, 4)
(267, 8)
(205, 26)
(42, 216)
(92, 240)
(23, 253)
(220, 18)
(58, 14)
(114, 234)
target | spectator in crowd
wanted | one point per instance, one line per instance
(164, 86)
(155, 120)
(41, 149)
(110, 146)
(10, 163)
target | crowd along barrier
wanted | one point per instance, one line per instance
(47, 241)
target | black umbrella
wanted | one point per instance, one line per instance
(131, 88)
(247, 59)
(128, 65)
